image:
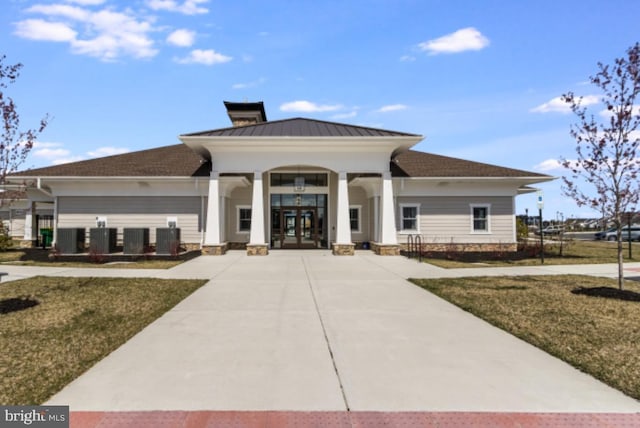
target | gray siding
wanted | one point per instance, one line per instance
(357, 196)
(239, 197)
(448, 219)
(121, 212)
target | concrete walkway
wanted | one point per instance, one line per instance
(307, 331)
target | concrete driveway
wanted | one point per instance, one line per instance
(309, 331)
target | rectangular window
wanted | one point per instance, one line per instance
(409, 217)
(354, 218)
(480, 214)
(244, 219)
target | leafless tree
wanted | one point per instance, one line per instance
(15, 144)
(607, 145)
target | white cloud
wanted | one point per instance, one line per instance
(391, 107)
(182, 37)
(87, 2)
(37, 29)
(253, 84)
(549, 165)
(56, 154)
(206, 57)
(635, 111)
(187, 7)
(308, 107)
(105, 34)
(107, 151)
(49, 153)
(345, 115)
(407, 58)
(557, 105)
(466, 39)
(60, 161)
(63, 10)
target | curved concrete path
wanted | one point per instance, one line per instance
(307, 331)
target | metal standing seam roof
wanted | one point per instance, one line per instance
(299, 127)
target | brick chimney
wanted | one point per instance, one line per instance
(245, 113)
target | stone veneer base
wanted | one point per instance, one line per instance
(467, 247)
(25, 243)
(343, 249)
(385, 249)
(214, 250)
(257, 249)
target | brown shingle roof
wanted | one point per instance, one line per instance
(170, 161)
(300, 127)
(180, 161)
(420, 164)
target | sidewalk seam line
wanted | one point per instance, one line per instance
(326, 338)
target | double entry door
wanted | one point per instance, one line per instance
(295, 227)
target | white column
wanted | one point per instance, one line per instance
(29, 222)
(376, 218)
(55, 220)
(223, 218)
(257, 211)
(343, 227)
(389, 236)
(212, 234)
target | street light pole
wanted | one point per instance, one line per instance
(540, 206)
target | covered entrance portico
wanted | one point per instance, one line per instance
(296, 174)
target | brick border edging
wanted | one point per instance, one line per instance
(348, 419)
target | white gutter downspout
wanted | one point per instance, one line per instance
(55, 222)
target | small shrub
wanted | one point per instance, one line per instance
(5, 240)
(522, 230)
(96, 256)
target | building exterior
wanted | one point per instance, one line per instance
(294, 183)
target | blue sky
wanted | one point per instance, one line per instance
(477, 78)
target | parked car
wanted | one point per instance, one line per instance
(550, 230)
(635, 234)
(603, 233)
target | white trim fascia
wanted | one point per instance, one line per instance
(205, 145)
(110, 178)
(474, 179)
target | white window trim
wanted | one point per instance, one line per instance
(359, 208)
(401, 217)
(238, 208)
(480, 232)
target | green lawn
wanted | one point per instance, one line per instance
(573, 252)
(563, 315)
(54, 329)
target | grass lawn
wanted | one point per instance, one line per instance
(54, 329)
(574, 252)
(565, 316)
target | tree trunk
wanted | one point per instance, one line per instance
(620, 263)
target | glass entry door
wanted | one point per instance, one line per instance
(298, 227)
(298, 221)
